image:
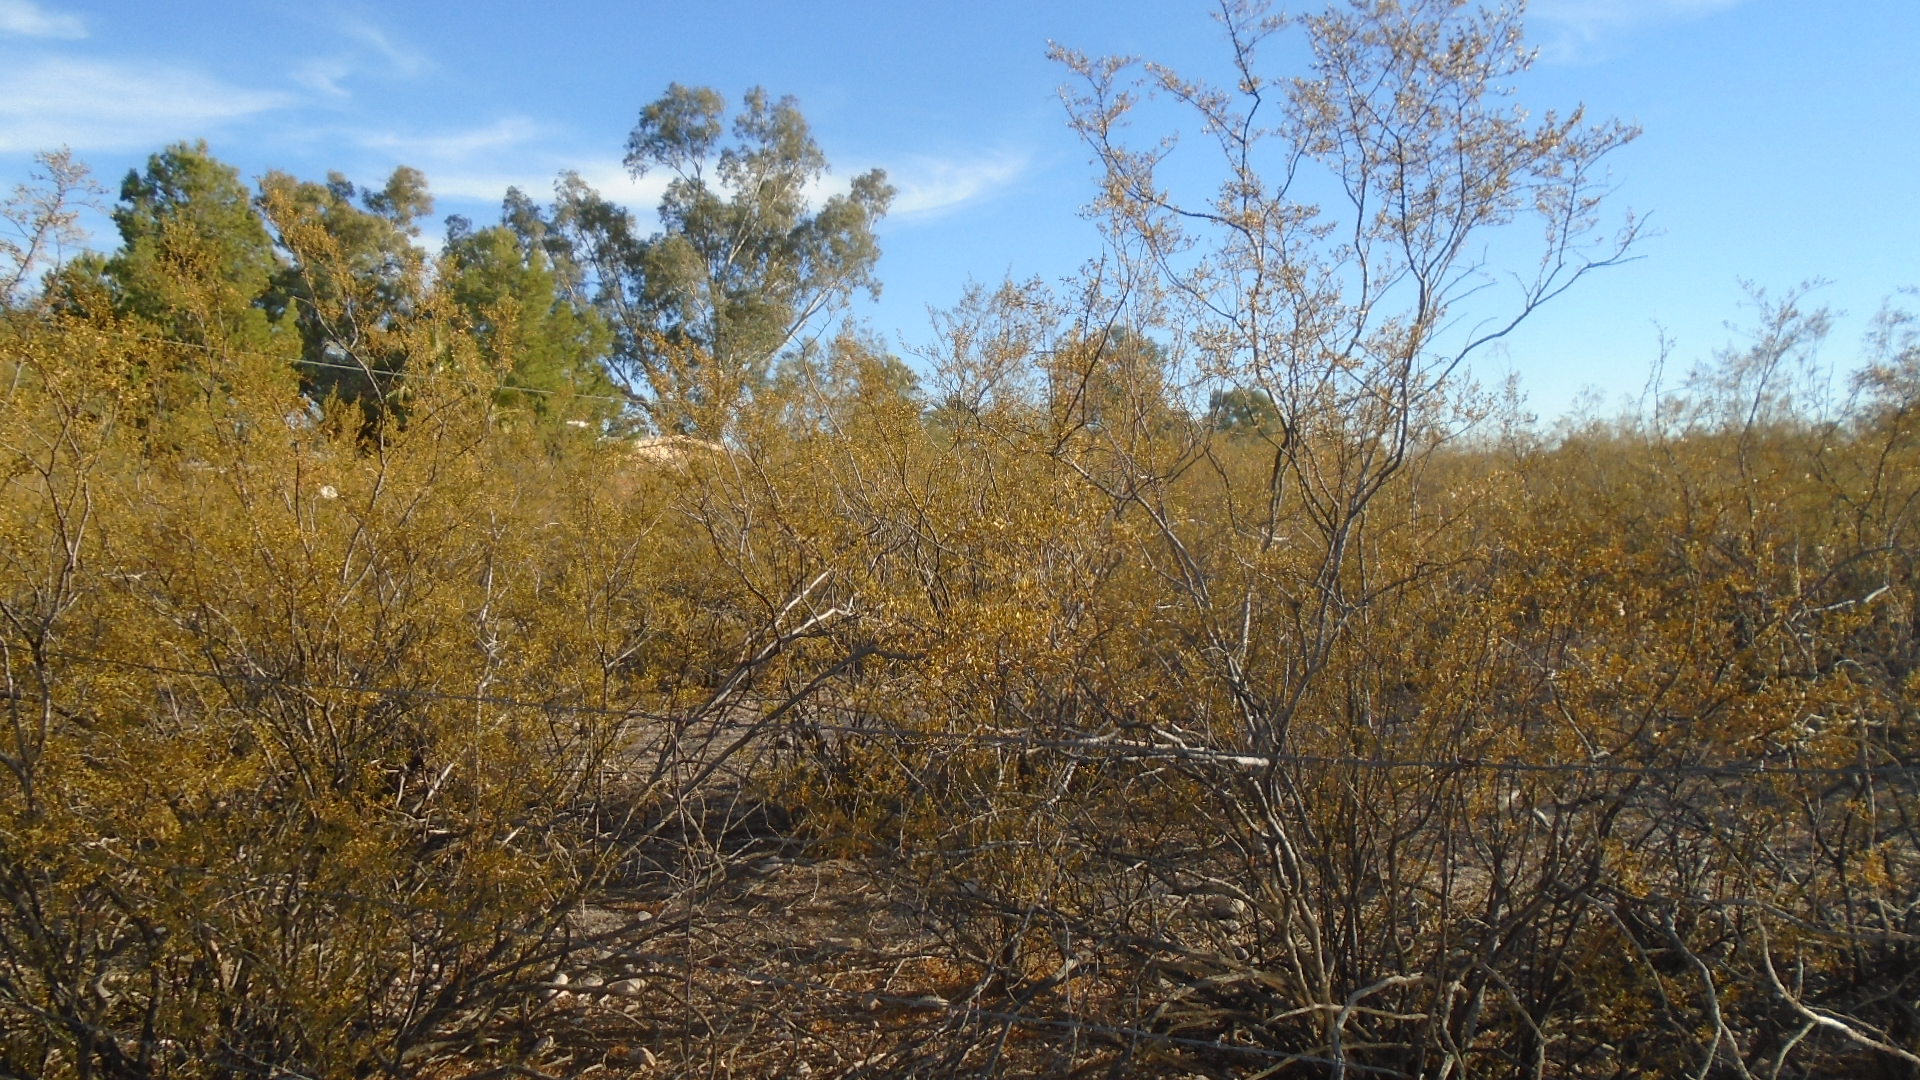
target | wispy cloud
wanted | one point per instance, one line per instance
(400, 60)
(1584, 30)
(324, 75)
(454, 146)
(928, 187)
(931, 186)
(612, 180)
(100, 105)
(479, 163)
(25, 18)
(537, 178)
(370, 50)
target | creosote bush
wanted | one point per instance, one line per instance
(1199, 677)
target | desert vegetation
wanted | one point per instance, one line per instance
(566, 655)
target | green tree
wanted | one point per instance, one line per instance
(1111, 380)
(743, 264)
(548, 350)
(195, 258)
(352, 281)
(536, 230)
(1242, 410)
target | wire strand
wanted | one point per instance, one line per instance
(1091, 744)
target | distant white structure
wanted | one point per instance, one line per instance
(673, 449)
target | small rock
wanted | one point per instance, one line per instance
(626, 987)
(1226, 908)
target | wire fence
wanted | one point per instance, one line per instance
(969, 1014)
(1109, 744)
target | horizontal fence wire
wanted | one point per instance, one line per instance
(1062, 1026)
(1092, 744)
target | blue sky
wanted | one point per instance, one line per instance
(1780, 135)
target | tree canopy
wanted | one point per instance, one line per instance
(744, 261)
(195, 258)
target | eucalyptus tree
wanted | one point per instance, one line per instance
(745, 259)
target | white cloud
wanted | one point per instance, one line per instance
(479, 164)
(402, 61)
(489, 186)
(454, 145)
(372, 50)
(615, 183)
(927, 186)
(323, 75)
(930, 186)
(536, 179)
(100, 105)
(1582, 30)
(27, 19)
